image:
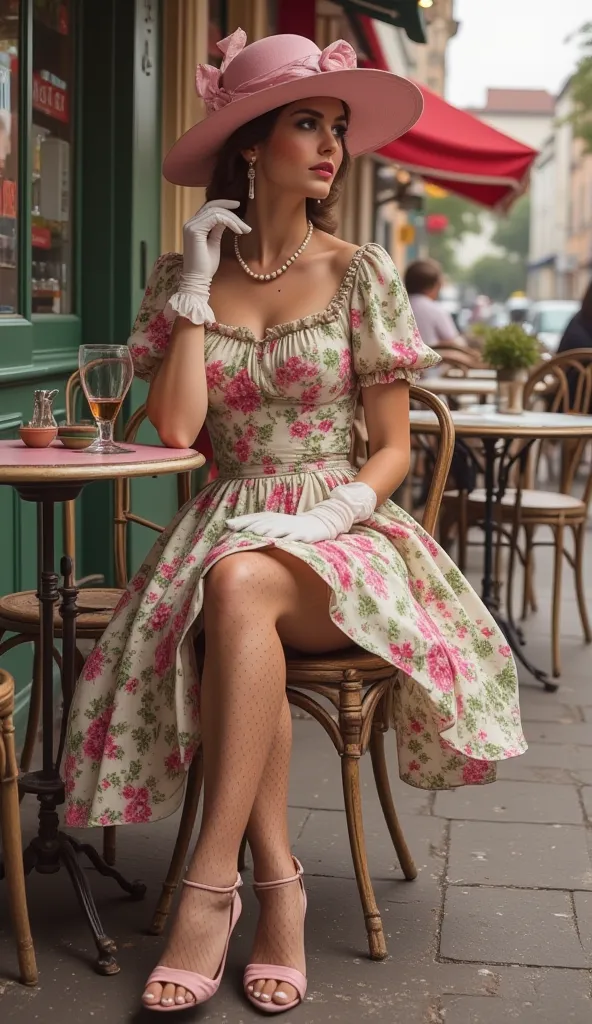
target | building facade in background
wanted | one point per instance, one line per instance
(524, 114)
(560, 257)
(429, 65)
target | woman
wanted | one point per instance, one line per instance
(285, 547)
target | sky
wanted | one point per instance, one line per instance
(517, 43)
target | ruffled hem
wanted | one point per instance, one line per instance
(367, 380)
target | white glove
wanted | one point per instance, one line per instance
(348, 504)
(202, 238)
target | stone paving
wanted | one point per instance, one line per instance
(497, 926)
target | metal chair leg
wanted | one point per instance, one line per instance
(190, 805)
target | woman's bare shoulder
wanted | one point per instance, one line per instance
(338, 252)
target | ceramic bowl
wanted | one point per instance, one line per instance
(77, 435)
(37, 437)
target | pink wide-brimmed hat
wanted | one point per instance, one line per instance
(279, 70)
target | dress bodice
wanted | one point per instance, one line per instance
(289, 398)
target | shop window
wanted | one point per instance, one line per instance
(9, 94)
(52, 152)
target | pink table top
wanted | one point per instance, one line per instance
(20, 465)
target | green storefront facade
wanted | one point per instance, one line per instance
(80, 158)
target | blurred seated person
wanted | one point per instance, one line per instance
(423, 281)
(578, 334)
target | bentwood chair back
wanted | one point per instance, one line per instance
(360, 687)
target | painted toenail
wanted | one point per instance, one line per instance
(265, 997)
(180, 999)
(149, 996)
(280, 995)
(167, 1002)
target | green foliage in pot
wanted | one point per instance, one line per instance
(510, 348)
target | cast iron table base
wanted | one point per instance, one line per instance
(499, 450)
(51, 848)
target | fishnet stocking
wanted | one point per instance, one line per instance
(242, 693)
(279, 938)
(253, 602)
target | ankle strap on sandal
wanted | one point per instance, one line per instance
(282, 881)
(215, 888)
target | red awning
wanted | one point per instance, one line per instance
(455, 150)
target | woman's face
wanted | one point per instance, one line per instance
(305, 149)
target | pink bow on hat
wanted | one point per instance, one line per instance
(338, 56)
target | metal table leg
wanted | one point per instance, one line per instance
(52, 848)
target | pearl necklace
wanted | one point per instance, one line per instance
(280, 270)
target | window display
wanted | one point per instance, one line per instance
(52, 137)
(9, 32)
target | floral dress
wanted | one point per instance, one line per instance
(280, 418)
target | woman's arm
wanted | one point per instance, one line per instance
(178, 397)
(386, 410)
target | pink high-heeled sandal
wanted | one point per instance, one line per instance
(275, 972)
(200, 987)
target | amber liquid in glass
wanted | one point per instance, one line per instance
(105, 408)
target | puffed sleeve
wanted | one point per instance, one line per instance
(386, 343)
(152, 329)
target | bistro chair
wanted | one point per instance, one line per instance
(360, 687)
(19, 613)
(10, 833)
(562, 384)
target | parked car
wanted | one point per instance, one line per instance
(548, 320)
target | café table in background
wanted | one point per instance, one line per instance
(497, 434)
(46, 476)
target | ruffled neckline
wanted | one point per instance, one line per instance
(325, 316)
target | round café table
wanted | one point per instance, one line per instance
(461, 387)
(498, 433)
(46, 476)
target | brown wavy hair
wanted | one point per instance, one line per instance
(229, 180)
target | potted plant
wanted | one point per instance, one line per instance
(512, 352)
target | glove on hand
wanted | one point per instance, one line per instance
(348, 504)
(202, 238)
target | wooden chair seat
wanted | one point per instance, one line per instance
(10, 834)
(368, 665)
(20, 612)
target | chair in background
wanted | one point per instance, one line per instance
(563, 384)
(360, 688)
(10, 833)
